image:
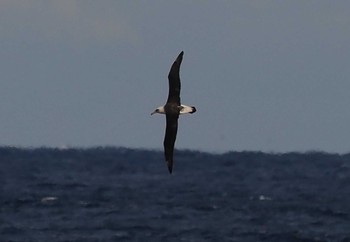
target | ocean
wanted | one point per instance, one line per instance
(119, 194)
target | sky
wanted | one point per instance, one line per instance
(264, 75)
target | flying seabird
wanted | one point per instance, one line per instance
(172, 109)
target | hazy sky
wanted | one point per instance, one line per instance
(264, 75)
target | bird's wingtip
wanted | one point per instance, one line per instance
(179, 58)
(170, 166)
(181, 54)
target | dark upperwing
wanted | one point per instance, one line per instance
(174, 81)
(169, 139)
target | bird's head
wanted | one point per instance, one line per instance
(159, 110)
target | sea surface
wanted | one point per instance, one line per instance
(119, 194)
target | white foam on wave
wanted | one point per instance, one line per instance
(48, 199)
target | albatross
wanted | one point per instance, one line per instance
(172, 109)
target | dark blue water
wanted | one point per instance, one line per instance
(107, 194)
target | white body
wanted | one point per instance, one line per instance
(184, 109)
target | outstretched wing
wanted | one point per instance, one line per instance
(174, 81)
(169, 139)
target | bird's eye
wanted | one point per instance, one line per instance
(157, 110)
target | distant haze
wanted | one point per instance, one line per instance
(264, 75)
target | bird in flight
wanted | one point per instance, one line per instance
(172, 109)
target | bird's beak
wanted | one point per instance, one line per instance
(153, 112)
